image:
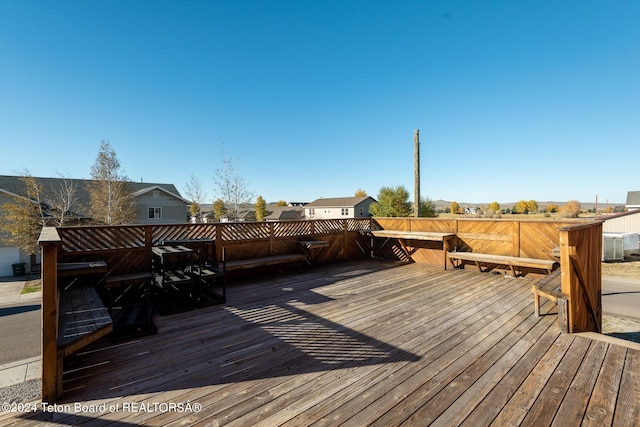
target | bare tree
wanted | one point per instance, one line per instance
(111, 199)
(196, 194)
(232, 189)
(62, 199)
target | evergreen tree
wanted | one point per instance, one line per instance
(219, 209)
(261, 209)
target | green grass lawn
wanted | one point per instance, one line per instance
(31, 286)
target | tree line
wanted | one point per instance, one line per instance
(570, 209)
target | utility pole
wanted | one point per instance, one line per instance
(416, 167)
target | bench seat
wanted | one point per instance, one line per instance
(66, 269)
(83, 319)
(511, 262)
(549, 287)
(241, 264)
(124, 279)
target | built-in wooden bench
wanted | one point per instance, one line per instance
(83, 319)
(265, 261)
(549, 287)
(429, 236)
(82, 316)
(512, 262)
(124, 279)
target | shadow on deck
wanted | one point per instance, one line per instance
(366, 343)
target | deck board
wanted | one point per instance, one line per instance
(365, 343)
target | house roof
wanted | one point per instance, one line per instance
(167, 188)
(633, 198)
(285, 213)
(14, 185)
(338, 202)
(606, 217)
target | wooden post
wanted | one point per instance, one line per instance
(272, 237)
(148, 246)
(219, 248)
(345, 230)
(416, 167)
(515, 249)
(580, 260)
(51, 375)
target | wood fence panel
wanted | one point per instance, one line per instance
(356, 245)
(123, 248)
(95, 239)
(400, 224)
(240, 231)
(183, 232)
(433, 225)
(493, 237)
(243, 250)
(581, 255)
(538, 239)
(293, 229)
(426, 252)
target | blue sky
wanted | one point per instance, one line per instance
(317, 98)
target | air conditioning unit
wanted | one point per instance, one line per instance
(615, 246)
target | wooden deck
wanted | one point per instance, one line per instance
(367, 343)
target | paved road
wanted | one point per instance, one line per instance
(19, 331)
(621, 296)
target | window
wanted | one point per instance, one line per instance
(156, 193)
(345, 211)
(155, 213)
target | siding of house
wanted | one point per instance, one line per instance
(325, 212)
(339, 208)
(173, 210)
(625, 223)
(9, 254)
(362, 209)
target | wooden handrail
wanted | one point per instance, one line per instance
(50, 243)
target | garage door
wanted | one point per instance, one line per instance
(8, 256)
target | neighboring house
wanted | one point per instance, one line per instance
(285, 213)
(339, 208)
(633, 200)
(157, 204)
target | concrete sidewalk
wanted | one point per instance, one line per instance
(22, 370)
